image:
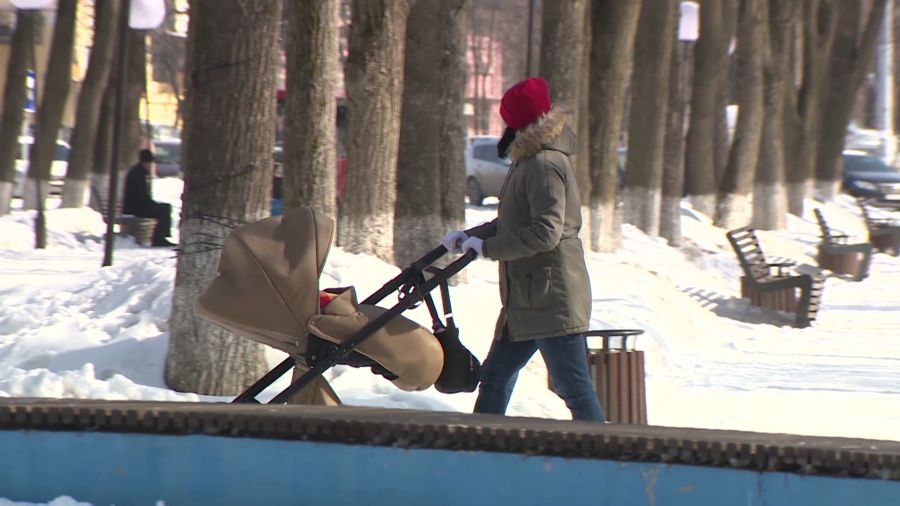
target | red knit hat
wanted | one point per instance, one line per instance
(525, 102)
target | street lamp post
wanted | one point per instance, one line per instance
(138, 14)
(118, 134)
(688, 31)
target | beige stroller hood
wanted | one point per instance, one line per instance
(268, 282)
(267, 290)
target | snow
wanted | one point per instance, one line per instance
(69, 328)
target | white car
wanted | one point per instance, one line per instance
(57, 168)
(485, 171)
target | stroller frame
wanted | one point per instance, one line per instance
(413, 287)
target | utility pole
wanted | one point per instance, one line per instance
(884, 95)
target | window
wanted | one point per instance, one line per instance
(487, 152)
(865, 164)
(168, 153)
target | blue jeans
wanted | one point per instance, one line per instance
(566, 359)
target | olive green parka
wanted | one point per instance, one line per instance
(545, 288)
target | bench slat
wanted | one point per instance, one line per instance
(774, 290)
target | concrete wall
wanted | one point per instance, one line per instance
(126, 469)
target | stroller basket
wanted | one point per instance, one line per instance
(267, 290)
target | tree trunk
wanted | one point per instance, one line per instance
(374, 76)
(583, 132)
(53, 102)
(430, 165)
(769, 195)
(613, 29)
(647, 121)
(673, 152)
(227, 158)
(851, 55)
(562, 43)
(732, 207)
(134, 91)
(14, 96)
(310, 107)
(722, 129)
(89, 101)
(710, 72)
(562, 65)
(804, 109)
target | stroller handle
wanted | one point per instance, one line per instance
(418, 267)
(415, 270)
(438, 252)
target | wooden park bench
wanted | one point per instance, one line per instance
(141, 229)
(839, 255)
(884, 233)
(775, 285)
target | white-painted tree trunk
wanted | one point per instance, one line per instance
(29, 193)
(586, 236)
(705, 204)
(797, 194)
(670, 220)
(769, 206)
(6, 191)
(372, 234)
(734, 211)
(605, 227)
(642, 208)
(75, 193)
(424, 228)
(826, 190)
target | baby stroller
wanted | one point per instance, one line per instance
(267, 289)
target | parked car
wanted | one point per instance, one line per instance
(168, 157)
(485, 171)
(57, 167)
(868, 176)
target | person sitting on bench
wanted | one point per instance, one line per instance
(138, 199)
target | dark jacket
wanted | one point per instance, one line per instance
(138, 199)
(545, 288)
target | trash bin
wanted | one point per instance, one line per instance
(618, 374)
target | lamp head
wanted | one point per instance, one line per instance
(146, 14)
(30, 5)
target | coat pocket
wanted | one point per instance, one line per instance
(539, 287)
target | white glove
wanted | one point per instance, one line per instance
(473, 243)
(453, 240)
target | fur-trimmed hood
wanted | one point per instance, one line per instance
(550, 131)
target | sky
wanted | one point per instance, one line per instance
(70, 328)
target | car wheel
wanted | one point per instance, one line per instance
(473, 191)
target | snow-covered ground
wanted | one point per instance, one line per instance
(69, 328)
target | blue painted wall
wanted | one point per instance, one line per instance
(138, 469)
